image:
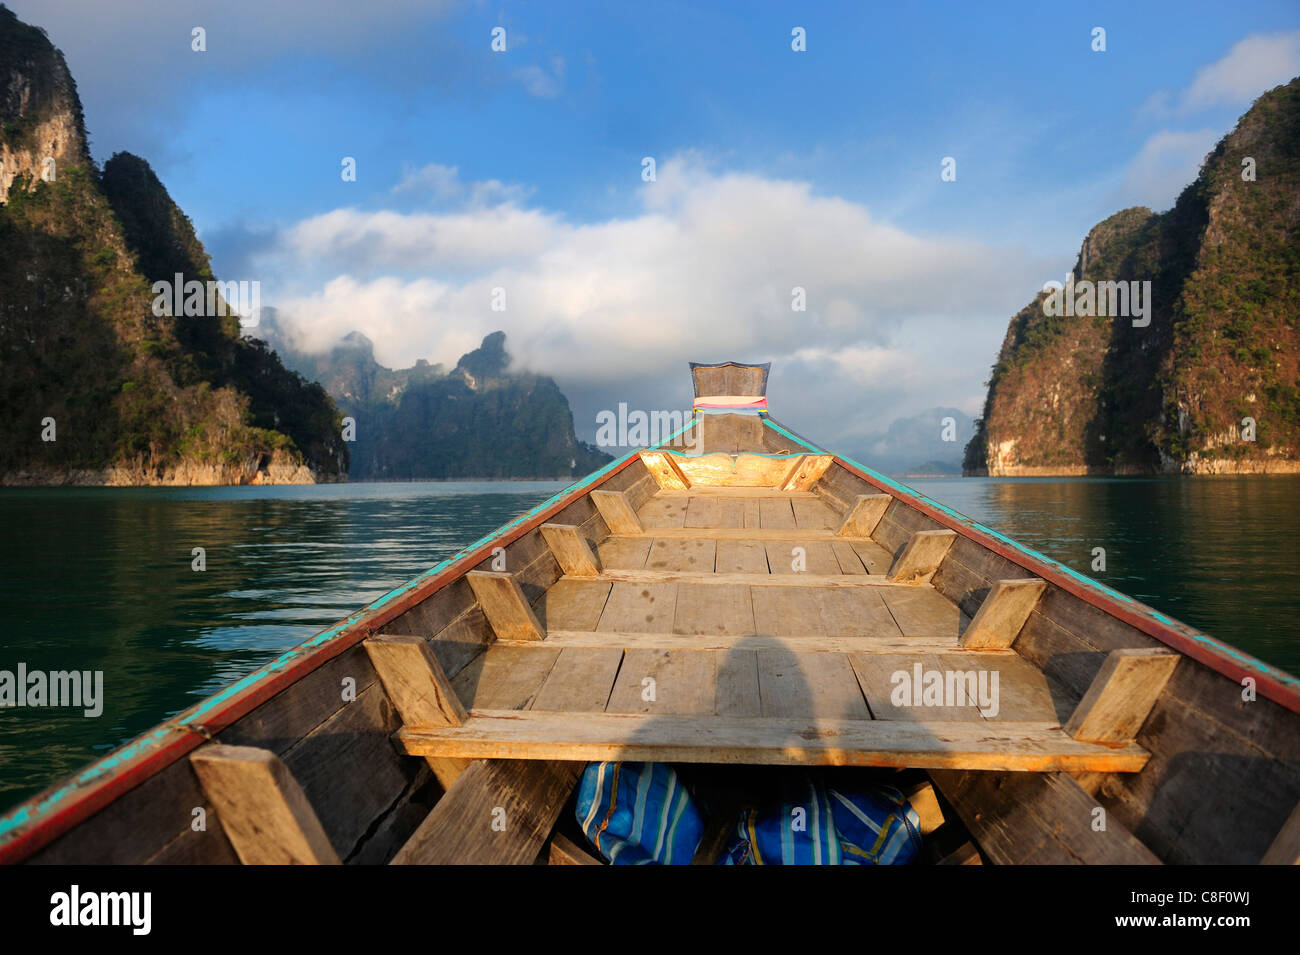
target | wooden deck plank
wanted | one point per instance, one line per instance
(922, 612)
(737, 692)
(874, 557)
(810, 512)
(751, 513)
(818, 558)
(505, 677)
(624, 553)
(662, 511)
(740, 557)
(580, 681)
(726, 609)
(881, 674)
(703, 511)
(790, 579)
(857, 612)
(650, 737)
(776, 514)
(809, 686)
(787, 611)
(639, 606)
(572, 604)
(682, 555)
(683, 683)
(849, 561)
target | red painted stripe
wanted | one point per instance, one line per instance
(103, 791)
(1189, 641)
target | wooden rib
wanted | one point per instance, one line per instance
(864, 515)
(806, 472)
(1004, 611)
(564, 851)
(419, 690)
(636, 737)
(921, 557)
(841, 643)
(503, 603)
(1038, 818)
(1285, 849)
(1121, 695)
(526, 796)
(571, 550)
(617, 511)
(263, 810)
(665, 470)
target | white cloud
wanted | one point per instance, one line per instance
(1253, 66)
(443, 185)
(1165, 165)
(541, 82)
(614, 309)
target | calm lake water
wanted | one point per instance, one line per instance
(101, 579)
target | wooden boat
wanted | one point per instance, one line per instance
(772, 593)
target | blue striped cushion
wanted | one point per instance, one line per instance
(816, 824)
(638, 814)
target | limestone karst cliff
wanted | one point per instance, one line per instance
(1207, 380)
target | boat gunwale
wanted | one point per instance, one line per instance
(37, 821)
(1271, 683)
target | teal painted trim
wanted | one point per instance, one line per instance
(1217, 647)
(28, 813)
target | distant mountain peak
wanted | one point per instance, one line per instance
(489, 360)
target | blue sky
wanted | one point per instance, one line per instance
(522, 170)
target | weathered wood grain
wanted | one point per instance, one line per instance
(1004, 611)
(505, 606)
(263, 810)
(921, 557)
(571, 550)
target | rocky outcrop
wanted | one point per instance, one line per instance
(98, 385)
(1207, 380)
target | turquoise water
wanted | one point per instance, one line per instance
(101, 579)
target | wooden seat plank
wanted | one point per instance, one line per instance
(1022, 747)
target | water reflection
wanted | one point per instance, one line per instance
(1217, 553)
(102, 579)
